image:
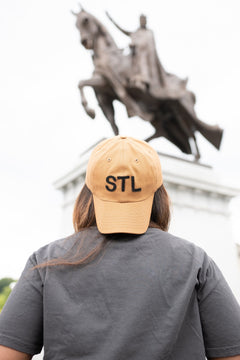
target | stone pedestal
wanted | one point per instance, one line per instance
(200, 208)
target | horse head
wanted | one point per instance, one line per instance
(87, 27)
(91, 29)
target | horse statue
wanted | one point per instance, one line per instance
(139, 81)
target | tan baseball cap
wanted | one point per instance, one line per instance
(123, 174)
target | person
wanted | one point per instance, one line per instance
(121, 287)
(147, 71)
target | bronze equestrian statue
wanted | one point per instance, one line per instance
(139, 81)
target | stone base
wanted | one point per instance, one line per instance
(200, 208)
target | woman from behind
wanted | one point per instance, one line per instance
(121, 287)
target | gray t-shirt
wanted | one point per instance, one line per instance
(147, 297)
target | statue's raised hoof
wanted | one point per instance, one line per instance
(91, 113)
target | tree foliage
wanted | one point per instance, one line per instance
(5, 290)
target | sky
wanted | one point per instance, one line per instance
(43, 127)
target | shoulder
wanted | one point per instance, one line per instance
(175, 247)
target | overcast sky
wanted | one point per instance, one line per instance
(43, 128)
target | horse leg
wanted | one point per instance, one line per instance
(157, 124)
(106, 104)
(95, 81)
(197, 153)
(151, 137)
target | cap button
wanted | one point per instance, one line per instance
(123, 137)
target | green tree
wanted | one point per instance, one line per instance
(5, 290)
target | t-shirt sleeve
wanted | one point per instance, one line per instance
(219, 312)
(21, 320)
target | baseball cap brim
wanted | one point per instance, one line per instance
(115, 217)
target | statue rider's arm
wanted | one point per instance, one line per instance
(128, 33)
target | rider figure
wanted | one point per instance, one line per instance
(146, 68)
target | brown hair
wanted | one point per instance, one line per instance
(84, 218)
(84, 215)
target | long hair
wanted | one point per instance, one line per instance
(84, 218)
